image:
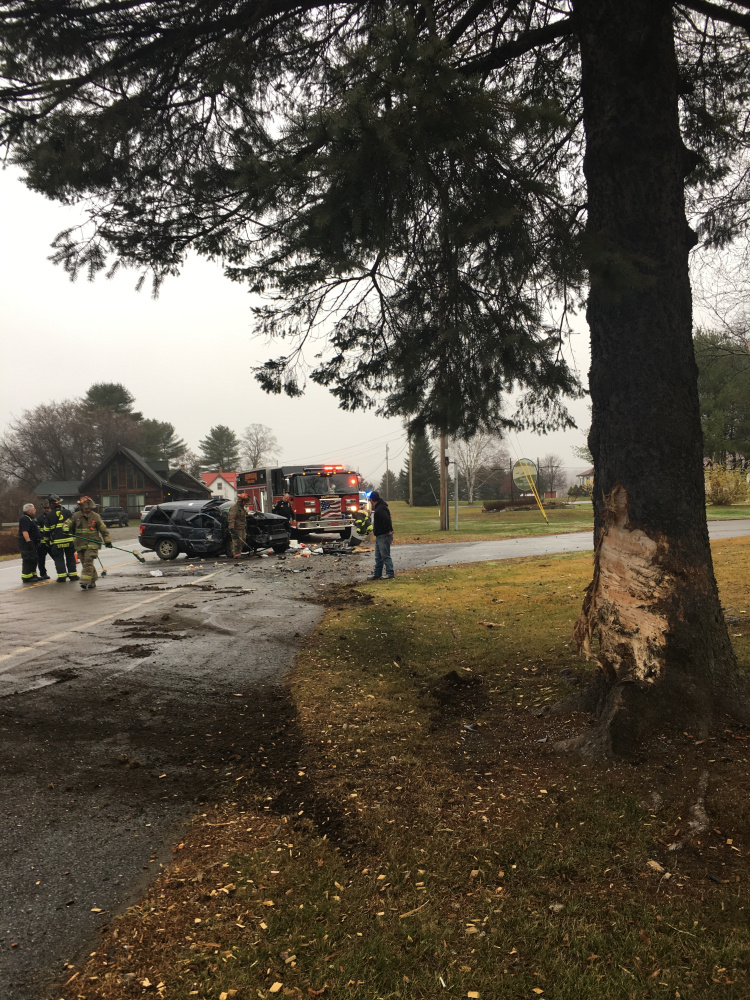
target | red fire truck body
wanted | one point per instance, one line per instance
(324, 497)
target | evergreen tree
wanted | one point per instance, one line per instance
(111, 396)
(425, 475)
(160, 441)
(436, 160)
(388, 487)
(724, 391)
(403, 482)
(220, 449)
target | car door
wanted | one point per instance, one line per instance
(204, 534)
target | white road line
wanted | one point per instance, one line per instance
(96, 621)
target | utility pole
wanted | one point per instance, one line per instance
(455, 494)
(444, 526)
(387, 476)
(411, 477)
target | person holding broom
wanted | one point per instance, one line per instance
(90, 533)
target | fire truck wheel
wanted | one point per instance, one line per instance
(346, 533)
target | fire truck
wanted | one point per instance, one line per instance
(324, 497)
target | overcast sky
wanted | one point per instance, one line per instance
(186, 356)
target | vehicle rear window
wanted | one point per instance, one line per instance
(158, 516)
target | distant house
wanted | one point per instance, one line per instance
(222, 484)
(69, 491)
(586, 479)
(126, 479)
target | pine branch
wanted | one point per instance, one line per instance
(718, 13)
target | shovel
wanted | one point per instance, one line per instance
(130, 552)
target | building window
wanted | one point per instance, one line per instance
(219, 485)
(109, 479)
(133, 478)
(136, 502)
(110, 500)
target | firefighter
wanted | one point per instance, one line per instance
(362, 528)
(42, 550)
(28, 537)
(59, 540)
(90, 531)
(238, 524)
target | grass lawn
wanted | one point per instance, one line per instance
(412, 833)
(422, 524)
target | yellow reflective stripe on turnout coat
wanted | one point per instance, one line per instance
(90, 527)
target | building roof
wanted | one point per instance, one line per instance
(228, 477)
(585, 475)
(69, 487)
(181, 475)
(138, 461)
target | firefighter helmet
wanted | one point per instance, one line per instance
(85, 500)
(54, 498)
(243, 496)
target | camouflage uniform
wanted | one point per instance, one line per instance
(238, 525)
(90, 532)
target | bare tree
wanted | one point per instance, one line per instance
(470, 455)
(552, 476)
(259, 445)
(12, 497)
(53, 441)
(63, 441)
(475, 454)
(190, 462)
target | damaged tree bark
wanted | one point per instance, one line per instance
(651, 617)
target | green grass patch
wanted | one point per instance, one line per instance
(415, 835)
(714, 513)
(422, 524)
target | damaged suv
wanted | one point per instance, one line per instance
(201, 528)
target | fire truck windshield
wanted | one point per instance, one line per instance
(316, 486)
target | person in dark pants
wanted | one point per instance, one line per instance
(41, 549)
(28, 537)
(382, 528)
(60, 542)
(284, 507)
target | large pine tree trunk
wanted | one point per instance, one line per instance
(652, 616)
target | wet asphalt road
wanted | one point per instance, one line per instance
(122, 708)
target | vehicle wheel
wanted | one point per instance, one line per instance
(124, 523)
(167, 548)
(346, 533)
(280, 547)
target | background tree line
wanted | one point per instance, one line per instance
(484, 467)
(66, 440)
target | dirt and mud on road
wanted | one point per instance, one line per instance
(122, 710)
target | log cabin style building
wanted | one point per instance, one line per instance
(126, 479)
